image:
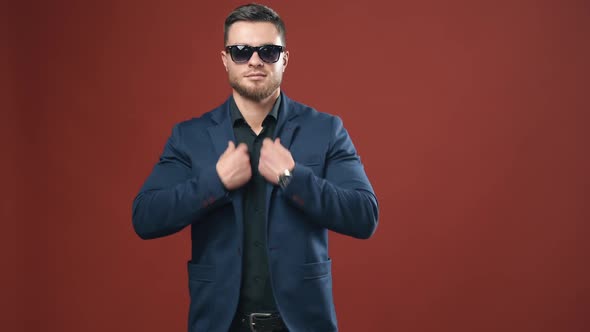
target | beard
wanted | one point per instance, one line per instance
(256, 93)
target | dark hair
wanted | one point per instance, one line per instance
(255, 13)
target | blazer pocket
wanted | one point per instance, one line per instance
(317, 270)
(201, 272)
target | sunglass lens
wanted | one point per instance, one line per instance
(269, 53)
(241, 53)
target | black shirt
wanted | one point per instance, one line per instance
(256, 291)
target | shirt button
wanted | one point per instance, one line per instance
(258, 279)
(257, 244)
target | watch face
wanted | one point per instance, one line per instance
(284, 179)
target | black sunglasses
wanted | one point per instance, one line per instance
(243, 53)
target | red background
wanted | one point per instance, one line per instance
(471, 118)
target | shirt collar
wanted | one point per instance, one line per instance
(237, 115)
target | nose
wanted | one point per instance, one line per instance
(255, 60)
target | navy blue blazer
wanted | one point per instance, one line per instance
(329, 190)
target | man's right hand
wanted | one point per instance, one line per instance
(233, 166)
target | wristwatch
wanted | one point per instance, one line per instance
(284, 178)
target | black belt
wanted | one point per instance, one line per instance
(261, 322)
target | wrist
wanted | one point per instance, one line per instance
(285, 177)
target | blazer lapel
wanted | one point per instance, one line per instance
(286, 129)
(221, 133)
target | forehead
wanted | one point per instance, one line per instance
(253, 34)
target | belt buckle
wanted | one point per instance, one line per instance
(256, 315)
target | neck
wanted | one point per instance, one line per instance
(254, 112)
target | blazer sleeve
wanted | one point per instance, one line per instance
(343, 201)
(176, 193)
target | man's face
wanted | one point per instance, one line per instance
(255, 79)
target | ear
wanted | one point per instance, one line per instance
(224, 59)
(285, 60)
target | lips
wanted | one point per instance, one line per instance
(256, 74)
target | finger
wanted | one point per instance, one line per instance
(242, 147)
(230, 146)
(265, 161)
(264, 150)
(278, 146)
(267, 154)
(263, 169)
(267, 141)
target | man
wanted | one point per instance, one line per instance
(260, 179)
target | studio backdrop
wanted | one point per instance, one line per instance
(470, 117)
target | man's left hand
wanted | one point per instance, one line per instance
(274, 160)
